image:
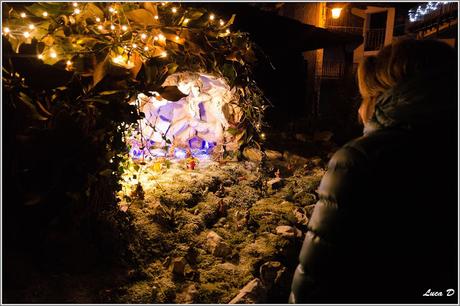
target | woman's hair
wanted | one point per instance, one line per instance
(400, 62)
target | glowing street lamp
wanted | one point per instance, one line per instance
(336, 12)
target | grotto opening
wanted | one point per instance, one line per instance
(197, 125)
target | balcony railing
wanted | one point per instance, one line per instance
(374, 39)
(332, 69)
(351, 30)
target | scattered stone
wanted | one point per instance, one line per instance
(216, 245)
(275, 183)
(188, 295)
(253, 292)
(309, 210)
(271, 272)
(324, 136)
(253, 154)
(300, 216)
(273, 155)
(301, 137)
(178, 266)
(288, 231)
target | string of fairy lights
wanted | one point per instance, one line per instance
(148, 41)
(422, 10)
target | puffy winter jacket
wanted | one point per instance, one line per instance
(385, 227)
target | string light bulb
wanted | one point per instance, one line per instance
(45, 14)
(134, 46)
(6, 30)
(177, 37)
(69, 63)
(112, 27)
(100, 27)
(26, 34)
(75, 4)
(143, 36)
(111, 10)
(155, 38)
(164, 54)
(227, 31)
(161, 37)
(211, 17)
(98, 19)
(156, 17)
(31, 26)
(146, 48)
(40, 56)
(23, 15)
(53, 54)
(221, 22)
(124, 28)
(186, 20)
(174, 10)
(77, 11)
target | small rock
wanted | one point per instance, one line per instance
(216, 245)
(324, 136)
(270, 273)
(273, 155)
(300, 216)
(288, 231)
(253, 292)
(178, 266)
(188, 295)
(253, 154)
(275, 183)
(301, 137)
(227, 183)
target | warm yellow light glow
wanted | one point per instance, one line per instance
(164, 54)
(23, 15)
(26, 34)
(112, 27)
(6, 30)
(155, 38)
(75, 4)
(77, 11)
(111, 10)
(146, 48)
(143, 36)
(177, 37)
(262, 135)
(53, 54)
(69, 63)
(174, 10)
(124, 28)
(186, 20)
(98, 19)
(163, 3)
(40, 56)
(118, 59)
(161, 37)
(100, 27)
(227, 31)
(221, 22)
(336, 12)
(211, 17)
(45, 14)
(134, 46)
(31, 26)
(156, 17)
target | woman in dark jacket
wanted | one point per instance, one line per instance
(385, 227)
